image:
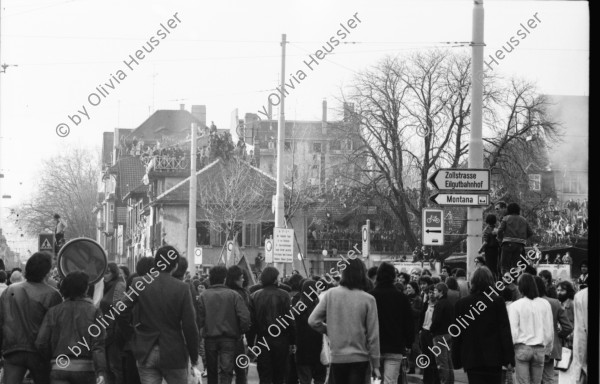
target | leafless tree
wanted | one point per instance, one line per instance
(68, 185)
(237, 192)
(413, 117)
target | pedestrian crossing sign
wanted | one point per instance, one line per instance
(46, 242)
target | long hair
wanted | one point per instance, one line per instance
(355, 275)
(482, 279)
(527, 286)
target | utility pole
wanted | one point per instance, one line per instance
(280, 207)
(192, 208)
(475, 214)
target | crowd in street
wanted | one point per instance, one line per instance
(156, 325)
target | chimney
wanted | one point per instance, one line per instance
(182, 107)
(324, 119)
(199, 112)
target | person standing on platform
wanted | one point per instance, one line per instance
(513, 234)
(59, 232)
(490, 247)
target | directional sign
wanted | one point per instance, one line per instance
(46, 242)
(268, 251)
(461, 179)
(283, 245)
(464, 199)
(433, 227)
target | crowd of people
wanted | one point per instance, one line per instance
(343, 327)
(561, 223)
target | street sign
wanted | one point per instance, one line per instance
(433, 227)
(462, 199)
(268, 251)
(46, 242)
(461, 179)
(366, 238)
(198, 255)
(283, 245)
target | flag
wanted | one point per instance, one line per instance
(243, 263)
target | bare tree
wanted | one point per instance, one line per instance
(237, 192)
(68, 185)
(413, 117)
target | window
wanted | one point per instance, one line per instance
(535, 182)
(202, 233)
(266, 231)
(252, 235)
(288, 146)
(575, 183)
(317, 147)
(335, 145)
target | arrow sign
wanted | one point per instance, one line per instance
(460, 199)
(433, 227)
(454, 179)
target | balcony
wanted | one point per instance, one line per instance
(166, 163)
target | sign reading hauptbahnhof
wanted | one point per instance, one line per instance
(461, 179)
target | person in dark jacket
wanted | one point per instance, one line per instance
(224, 317)
(22, 310)
(268, 305)
(416, 305)
(236, 280)
(485, 345)
(562, 328)
(295, 282)
(512, 235)
(69, 335)
(165, 339)
(443, 316)
(308, 341)
(490, 247)
(396, 328)
(430, 371)
(114, 290)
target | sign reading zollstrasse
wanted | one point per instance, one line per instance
(461, 179)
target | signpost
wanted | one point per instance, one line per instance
(46, 242)
(433, 227)
(283, 245)
(461, 199)
(457, 179)
(268, 251)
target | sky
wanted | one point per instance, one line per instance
(227, 55)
